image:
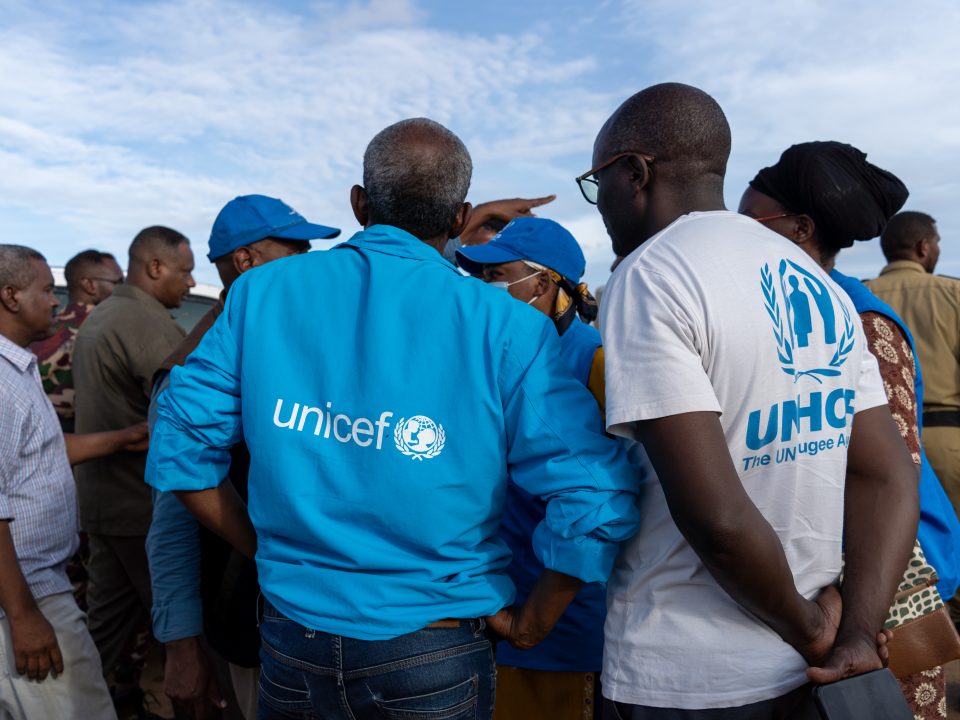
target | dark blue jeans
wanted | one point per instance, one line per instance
(435, 673)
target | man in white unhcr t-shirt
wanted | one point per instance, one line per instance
(744, 372)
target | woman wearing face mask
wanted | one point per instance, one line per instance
(823, 196)
(539, 263)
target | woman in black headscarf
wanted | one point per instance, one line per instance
(823, 196)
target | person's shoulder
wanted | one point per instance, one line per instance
(584, 333)
(14, 394)
(702, 239)
(504, 318)
(113, 309)
(307, 273)
(946, 280)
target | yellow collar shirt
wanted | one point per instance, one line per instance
(930, 306)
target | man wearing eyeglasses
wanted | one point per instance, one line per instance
(765, 453)
(91, 276)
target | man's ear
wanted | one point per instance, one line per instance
(153, 267)
(922, 249)
(461, 219)
(88, 286)
(242, 260)
(358, 201)
(642, 173)
(10, 298)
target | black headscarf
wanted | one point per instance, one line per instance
(847, 197)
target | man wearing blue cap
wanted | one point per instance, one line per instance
(201, 587)
(378, 478)
(540, 263)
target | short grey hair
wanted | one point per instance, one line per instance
(16, 267)
(416, 174)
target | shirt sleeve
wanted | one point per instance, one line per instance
(198, 416)
(896, 363)
(653, 347)
(148, 360)
(11, 440)
(173, 550)
(596, 381)
(557, 450)
(870, 392)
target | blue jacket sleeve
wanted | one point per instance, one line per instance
(198, 416)
(557, 450)
(173, 550)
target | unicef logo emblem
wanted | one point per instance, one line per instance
(805, 299)
(419, 437)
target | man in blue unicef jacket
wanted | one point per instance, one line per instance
(384, 411)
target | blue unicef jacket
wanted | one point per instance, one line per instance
(939, 529)
(386, 400)
(576, 642)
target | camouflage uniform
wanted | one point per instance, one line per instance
(55, 360)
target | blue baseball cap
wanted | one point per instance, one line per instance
(250, 218)
(539, 240)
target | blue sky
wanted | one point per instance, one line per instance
(118, 115)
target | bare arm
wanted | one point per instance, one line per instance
(881, 510)
(487, 219)
(526, 626)
(727, 531)
(222, 510)
(35, 647)
(90, 446)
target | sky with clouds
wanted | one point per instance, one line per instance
(117, 115)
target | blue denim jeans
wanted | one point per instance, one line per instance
(435, 673)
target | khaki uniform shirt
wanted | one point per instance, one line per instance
(930, 306)
(117, 351)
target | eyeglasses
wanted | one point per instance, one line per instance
(765, 218)
(112, 281)
(590, 185)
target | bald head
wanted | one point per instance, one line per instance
(661, 155)
(682, 127)
(154, 241)
(416, 174)
(161, 264)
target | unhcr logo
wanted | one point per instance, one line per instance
(794, 329)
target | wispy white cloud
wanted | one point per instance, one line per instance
(879, 75)
(158, 122)
(118, 115)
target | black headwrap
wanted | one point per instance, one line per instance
(847, 197)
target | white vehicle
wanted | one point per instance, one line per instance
(198, 302)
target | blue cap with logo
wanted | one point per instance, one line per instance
(250, 218)
(536, 239)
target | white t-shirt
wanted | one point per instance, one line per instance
(718, 313)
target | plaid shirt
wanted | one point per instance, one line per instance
(37, 491)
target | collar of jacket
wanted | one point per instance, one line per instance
(391, 240)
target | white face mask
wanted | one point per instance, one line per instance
(504, 285)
